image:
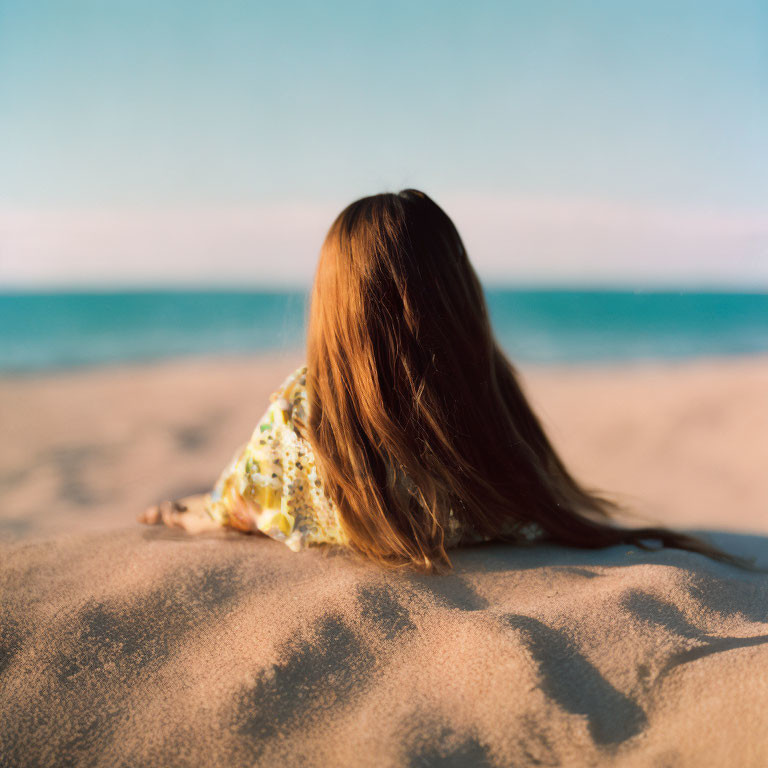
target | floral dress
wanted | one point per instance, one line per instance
(272, 485)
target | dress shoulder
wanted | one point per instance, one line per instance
(294, 385)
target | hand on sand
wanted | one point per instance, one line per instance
(187, 513)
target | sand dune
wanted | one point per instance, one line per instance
(146, 647)
(129, 645)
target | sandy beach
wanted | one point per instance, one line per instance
(684, 444)
(129, 645)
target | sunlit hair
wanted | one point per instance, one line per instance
(415, 410)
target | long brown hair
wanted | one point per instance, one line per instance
(415, 410)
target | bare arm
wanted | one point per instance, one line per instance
(187, 513)
(190, 514)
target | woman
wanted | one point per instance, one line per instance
(407, 433)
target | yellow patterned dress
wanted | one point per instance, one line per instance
(272, 484)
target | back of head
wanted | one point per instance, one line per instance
(415, 413)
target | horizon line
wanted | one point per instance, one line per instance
(277, 287)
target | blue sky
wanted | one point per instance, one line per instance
(190, 143)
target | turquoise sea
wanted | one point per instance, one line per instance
(40, 332)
